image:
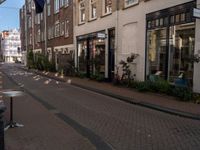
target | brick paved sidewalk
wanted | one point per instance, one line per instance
(156, 101)
(152, 100)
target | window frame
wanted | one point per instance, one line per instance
(57, 29)
(56, 6)
(92, 2)
(66, 3)
(135, 2)
(104, 8)
(62, 28)
(82, 20)
(66, 28)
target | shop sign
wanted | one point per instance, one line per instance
(196, 13)
(1, 1)
(101, 35)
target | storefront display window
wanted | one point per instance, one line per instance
(181, 50)
(170, 42)
(91, 55)
(157, 51)
(82, 56)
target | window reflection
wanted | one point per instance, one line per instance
(181, 50)
(157, 51)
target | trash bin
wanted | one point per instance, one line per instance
(2, 109)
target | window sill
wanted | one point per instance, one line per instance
(66, 36)
(67, 5)
(105, 15)
(56, 12)
(92, 19)
(81, 23)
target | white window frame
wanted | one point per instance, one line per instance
(61, 3)
(104, 8)
(66, 3)
(56, 6)
(62, 28)
(82, 20)
(128, 3)
(91, 13)
(66, 28)
(48, 9)
(57, 29)
(38, 18)
(38, 35)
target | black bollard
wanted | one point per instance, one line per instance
(2, 109)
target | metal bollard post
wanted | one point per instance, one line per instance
(2, 109)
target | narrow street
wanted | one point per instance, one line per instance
(94, 121)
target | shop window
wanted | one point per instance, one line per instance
(153, 24)
(177, 18)
(172, 19)
(149, 24)
(93, 9)
(181, 50)
(182, 17)
(98, 50)
(166, 21)
(171, 46)
(82, 56)
(157, 22)
(161, 21)
(188, 17)
(82, 11)
(157, 51)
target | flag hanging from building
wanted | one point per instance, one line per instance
(39, 5)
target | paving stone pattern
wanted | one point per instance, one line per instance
(122, 126)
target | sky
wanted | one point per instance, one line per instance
(9, 14)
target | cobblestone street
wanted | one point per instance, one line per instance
(104, 122)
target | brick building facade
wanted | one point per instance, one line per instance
(50, 32)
